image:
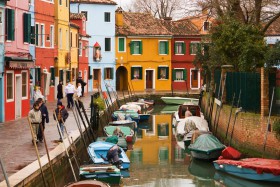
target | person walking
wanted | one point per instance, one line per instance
(35, 118)
(79, 93)
(59, 91)
(45, 118)
(69, 91)
(83, 84)
(60, 114)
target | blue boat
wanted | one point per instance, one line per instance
(144, 117)
(257, 169)
(98, 150)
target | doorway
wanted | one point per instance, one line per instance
(194, 78)
(149, 79)
(96, 78)
(121, 79)
(18, 96)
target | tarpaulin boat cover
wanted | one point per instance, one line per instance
(206, 143)
(260, 165)
(230, 153)
(112, 139)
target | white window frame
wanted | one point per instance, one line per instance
(2, 21)
(182, 70)
(182, 42)
(25, 71)
(159, 46)
(42, 36)
(51, 36)
(37, 35)
(60, 38)
(193, 42)
(13, 86)
(80, 48)
(124, 50)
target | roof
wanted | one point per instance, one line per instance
(107, 2)
(274, 28)
(181, 27)
(74, 25)
(77, 15)
(139, 24)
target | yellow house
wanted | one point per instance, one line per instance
(143, 56)
(74, 39)
(62, 39)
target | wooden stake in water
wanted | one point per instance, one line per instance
(4, 173)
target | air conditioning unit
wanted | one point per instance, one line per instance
(45, 71)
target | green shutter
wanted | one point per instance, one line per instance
(184, 74)
(32, 35)
(174, 48)
(61, 75)
(105, 73)
(167, 47)
(27, 27)
(68, 74)
(52, 74)
(112, 73)
(89, 73)
(167, 72)
(158, 72)
(36, 34)
(39, 75)
(140, 47)
(184, 48)
(10, 14)
(140, 72)
(121, 44)
(159, 47)
(132, 73)
(131, 48)
(173, 74)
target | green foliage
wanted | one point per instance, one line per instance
(99, 102)
(276, 128)
(272, 57)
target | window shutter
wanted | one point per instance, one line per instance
(32, 35)
(39, 75)
(175, 47)
(121, 44)
(52, 74)
(132, 73)
(167, 47)
(10, 14)
(112, 73)
(89, 73)
(173, 74)
(140, 72)
(158, 74)
(159, 47)
(184, 48)
(140, 47)
(27, 27)
(131, 48)
(61, 75)
(167, 72)
(185, 74)
(68, 75)
(36, 35)
(105, 73)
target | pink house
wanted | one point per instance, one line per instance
(18, 59)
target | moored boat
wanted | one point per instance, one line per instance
(120, 131)
(120, 142)
(178, 100)
(258, 169)
(206, 147)
(127, 123)
(98, 151)
(181, 112)
(88, 183)
(125, 115)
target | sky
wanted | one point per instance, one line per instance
(123, 3)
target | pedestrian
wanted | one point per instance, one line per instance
(60, 114)
(45, 118)
(79, 94)
(35, 118)
(69, 91)
(59, 91)
(83, 84)
(37, 93)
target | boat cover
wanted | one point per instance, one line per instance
(134, 107)
(125, 130)
(230, 153)
(206, 143)
(200, 123)
(112, 139)
(260, 165)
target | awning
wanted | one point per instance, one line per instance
(21, 64)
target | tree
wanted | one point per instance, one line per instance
(272, 57)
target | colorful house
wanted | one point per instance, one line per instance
(186, 38)
(143, 55)
(83, 49)
(18, 59)
(43, 38)
(100, 23)
(2, 39)
(62, 57)
(74, 37)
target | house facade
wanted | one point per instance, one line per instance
(74, 45)
(43, 40)
(18, 60)
(185, 41)
(100, 21)
(2, 40)
(83, 46)
(143, 52)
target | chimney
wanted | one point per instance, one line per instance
(119, 16)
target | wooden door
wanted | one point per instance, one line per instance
(96, 78)
(194, 78)
(149, 79)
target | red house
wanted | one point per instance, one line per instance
(45, 51)
(186, 38)
(83, 67)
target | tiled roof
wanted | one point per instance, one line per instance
(181, 27)
(137, 24)
(76, 15)
(274, 29)
(108, 2)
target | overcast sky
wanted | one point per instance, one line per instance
(123, 3)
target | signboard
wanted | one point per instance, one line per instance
(21, 64)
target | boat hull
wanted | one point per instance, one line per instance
(179, 100)
(206, 155)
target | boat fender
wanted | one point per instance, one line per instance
(239, 166)
(221, 166)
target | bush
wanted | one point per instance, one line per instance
(276, 128)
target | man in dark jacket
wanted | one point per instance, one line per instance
(83, 84)
(45, 118)
(59, 91)
(60, 114)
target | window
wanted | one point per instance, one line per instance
(71, 39)
(80, 49)
(85, 13)
(86, 52)
(33, 37)
(163, 47)
(135, 47)
(107, 44)
(52, 75)
(163, 72)
(136, 73)
(194, 46)
(24, 83)
(180, 48)
(121, 44)
(179, 74)
(108, 73)
(60, 2)
(27, 28)
(37, 32)
(107, 16)
(51, 36)
(42, 35)
(206, 26)
(10, 24)
(10, 85)
(60, 39)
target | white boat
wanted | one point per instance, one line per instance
(179, 100)
(193, 108)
